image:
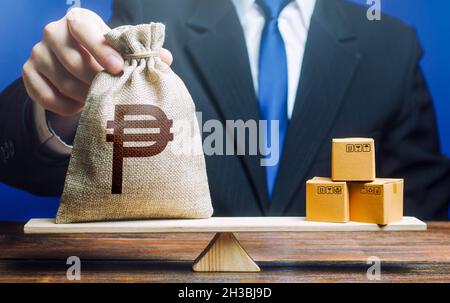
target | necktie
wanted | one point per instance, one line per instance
(273, 82)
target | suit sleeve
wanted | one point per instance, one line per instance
(412, 148)
(127, 12)
(26, 163)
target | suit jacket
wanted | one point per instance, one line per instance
(359, 78)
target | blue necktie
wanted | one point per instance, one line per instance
(273, 81)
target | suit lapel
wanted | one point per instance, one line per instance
(219, 52)
(328, 67)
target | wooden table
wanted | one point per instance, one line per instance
(283, 256)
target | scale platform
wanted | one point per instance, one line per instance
(224, 253)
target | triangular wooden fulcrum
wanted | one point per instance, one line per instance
(225, 254)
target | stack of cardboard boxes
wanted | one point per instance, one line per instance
(354, 193)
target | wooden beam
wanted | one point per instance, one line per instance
(216, 224)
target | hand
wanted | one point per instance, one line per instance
(62, 66)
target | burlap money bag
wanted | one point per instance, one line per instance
(124, 163)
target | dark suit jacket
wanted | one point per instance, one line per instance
(359, 78)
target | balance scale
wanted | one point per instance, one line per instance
(224, 253)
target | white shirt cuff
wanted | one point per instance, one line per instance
(46, 134)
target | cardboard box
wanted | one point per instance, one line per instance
(327, 201)
(353, 159)
(380, 201)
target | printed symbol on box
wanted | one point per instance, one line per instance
(119, 137)
(358, 148)
(329, 189)
(371, 190)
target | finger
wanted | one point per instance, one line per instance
(89, 29)
(41, 90)
(72, 56)
(48, 65)
(166, 56)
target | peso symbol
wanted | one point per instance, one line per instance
(119, 137)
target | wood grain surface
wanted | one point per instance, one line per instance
(224, 254)
(217, 224)
(283, 256)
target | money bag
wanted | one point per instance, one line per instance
(127, 162)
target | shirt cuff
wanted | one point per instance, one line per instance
(46, 135)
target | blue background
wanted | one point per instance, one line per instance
(22, 22)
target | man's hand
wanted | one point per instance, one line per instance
(62, 66)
